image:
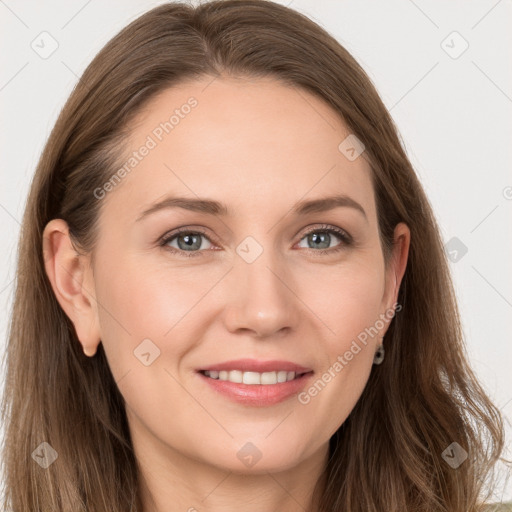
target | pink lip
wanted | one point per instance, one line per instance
(258, 395)
(253, 365)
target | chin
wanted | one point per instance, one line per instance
(253, 456)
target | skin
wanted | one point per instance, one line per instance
(259, 147)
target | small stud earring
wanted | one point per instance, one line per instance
(379, 354)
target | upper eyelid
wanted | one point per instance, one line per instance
(174, 233)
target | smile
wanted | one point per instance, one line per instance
(252, 378)
(255, 389)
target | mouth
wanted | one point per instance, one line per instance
(254, 378)
(254, 382)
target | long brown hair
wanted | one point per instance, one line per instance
(388, 454)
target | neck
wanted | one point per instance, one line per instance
(173, 480)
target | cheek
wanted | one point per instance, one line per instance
(146, 300)
(146, 315)
(137, 303)
(353, 316)
(349, 303)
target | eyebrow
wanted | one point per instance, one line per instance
(212, 207)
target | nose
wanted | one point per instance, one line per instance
(262, 297)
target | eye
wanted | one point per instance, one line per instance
(188, 242)
(320, 238)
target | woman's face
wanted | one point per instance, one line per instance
(263, 280)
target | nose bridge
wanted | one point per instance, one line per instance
(263, 300)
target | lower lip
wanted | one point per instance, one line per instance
(258, 395)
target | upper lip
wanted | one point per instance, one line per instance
(254, 365)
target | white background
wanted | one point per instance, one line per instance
(454, 116)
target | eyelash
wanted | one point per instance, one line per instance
(343, 235)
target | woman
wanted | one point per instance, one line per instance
(182, 339)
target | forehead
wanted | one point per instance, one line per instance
(251, 143)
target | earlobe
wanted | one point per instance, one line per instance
(69, 274)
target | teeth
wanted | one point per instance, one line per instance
(238, 376)
(249, 377)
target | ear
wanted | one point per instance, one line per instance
(71, 277)
(397, 265)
